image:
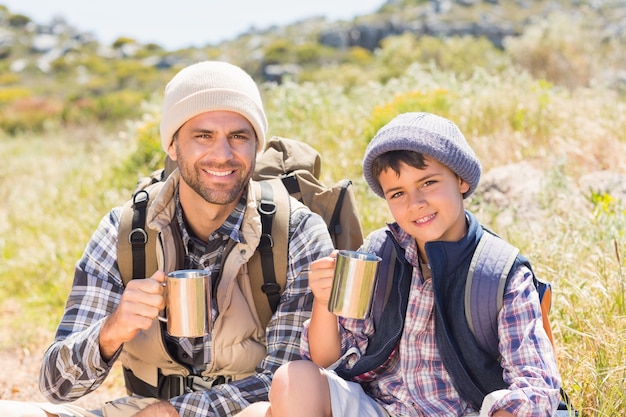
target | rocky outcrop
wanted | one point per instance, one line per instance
(442, 18)
(514, 198)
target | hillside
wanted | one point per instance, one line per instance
(537, 87)
(50, 70)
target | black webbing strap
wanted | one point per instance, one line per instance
(138, 236)
(334, 227)
(267, 209)
(169, 386)
(291, 184)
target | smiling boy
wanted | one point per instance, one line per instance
(424, 168)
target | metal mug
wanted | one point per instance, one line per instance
(353, 284)
(188, 303)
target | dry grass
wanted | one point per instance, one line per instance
(59, 186)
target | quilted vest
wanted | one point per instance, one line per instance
(475, 372)
(238, 337)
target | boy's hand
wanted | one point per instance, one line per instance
(321, 275)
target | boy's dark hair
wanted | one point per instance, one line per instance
(393, 159)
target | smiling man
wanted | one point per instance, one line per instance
(213, 125)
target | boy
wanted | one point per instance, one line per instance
(423, 167)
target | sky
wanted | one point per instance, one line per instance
(183, 23)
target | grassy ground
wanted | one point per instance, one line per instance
(56, 187)
(53, 194)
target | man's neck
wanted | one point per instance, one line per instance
(203, 218)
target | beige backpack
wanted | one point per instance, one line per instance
(286, 167)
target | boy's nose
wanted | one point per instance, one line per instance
(417, 199)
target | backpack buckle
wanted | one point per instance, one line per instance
(137, 236)
(266, 241)
(141, 197)
(270, 288)
(267, 207)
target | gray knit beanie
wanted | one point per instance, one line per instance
(430, 135)
(211, 86)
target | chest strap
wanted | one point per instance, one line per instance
(170, 386)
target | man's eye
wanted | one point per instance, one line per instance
(241, 137)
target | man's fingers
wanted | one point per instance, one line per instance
(158, 276)
(144, 286)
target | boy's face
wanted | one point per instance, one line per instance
(427, 203)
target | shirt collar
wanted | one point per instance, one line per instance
(406, 241)
(230, 228)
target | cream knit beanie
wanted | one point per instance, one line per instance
(211, 86)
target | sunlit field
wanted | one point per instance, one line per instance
(562, 203)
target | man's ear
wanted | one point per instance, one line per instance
(171, 150)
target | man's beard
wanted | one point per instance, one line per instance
(191, 174)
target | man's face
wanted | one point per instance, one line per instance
(215, 152)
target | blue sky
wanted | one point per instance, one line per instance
(182, 23)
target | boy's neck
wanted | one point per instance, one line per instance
(424, 268)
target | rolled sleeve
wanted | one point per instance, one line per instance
(528, 358)
(72, 365)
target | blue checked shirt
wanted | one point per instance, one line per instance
(414, 382)
(73, 367)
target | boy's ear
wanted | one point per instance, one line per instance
(463, 185)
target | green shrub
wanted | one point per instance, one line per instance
(109, 109)
(437, 102)
(564, 49)
(12, 94)
(30, 115)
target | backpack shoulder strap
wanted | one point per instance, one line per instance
(384, 280)
(484, 288)
(544, 289)
(268, 265)
(484, 292)
(136, 244)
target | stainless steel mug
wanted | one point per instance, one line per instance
(353, 284)
(188, 303)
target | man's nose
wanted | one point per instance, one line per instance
(221, 149)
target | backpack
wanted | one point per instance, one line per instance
(286, 167)
(484, 290)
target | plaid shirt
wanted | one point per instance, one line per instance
(414, 381)
(73, 367)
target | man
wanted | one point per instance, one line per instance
(213, 125)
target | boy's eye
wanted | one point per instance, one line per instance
(429, 183)
(396, 195)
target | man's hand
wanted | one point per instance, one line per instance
(160, 409)
(139, 306)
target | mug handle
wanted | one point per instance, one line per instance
(161, 315)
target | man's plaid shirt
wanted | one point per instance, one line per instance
(73, 367)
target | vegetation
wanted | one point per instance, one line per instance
(520, 104)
